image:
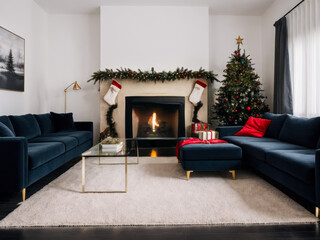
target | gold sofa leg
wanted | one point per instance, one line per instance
(188, 174)
(23, 194)
(317, 212)
(233, 174)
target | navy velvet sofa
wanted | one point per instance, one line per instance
(289, 153)
(36, 149)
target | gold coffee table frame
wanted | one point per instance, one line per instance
(96, 151)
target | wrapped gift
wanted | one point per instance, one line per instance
(196, 127)
(208, 134)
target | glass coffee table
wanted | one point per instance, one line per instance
(130, 148)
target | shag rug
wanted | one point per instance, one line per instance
(158, 194)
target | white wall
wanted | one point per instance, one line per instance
(271, 15)
(74, 53)
(161, 37)
(26, 19)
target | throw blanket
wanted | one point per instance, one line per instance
(196, 141)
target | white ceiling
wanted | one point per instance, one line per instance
(219, 7)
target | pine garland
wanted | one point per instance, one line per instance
(146, 76)
(110, 131)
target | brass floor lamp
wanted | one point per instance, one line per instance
(75, 87)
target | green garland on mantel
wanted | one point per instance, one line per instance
(146, 76)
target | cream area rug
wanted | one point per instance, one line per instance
(158, 194)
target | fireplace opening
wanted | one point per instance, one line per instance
(155, 121)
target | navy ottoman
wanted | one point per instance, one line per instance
(210, 157)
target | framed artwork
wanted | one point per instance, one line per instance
(12, 60)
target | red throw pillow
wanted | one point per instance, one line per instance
(255, 127)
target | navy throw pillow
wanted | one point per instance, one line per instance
(45, 122)
(6, 121)
(5, 131)
(63, 121)
(277, 121)
(301, 131)
(25, 126)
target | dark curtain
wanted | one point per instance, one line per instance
(282, 102)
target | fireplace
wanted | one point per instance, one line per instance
(155, 121)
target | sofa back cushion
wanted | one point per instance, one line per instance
(6, 121)
(26, 126)
(301, 131)
(277, 121)
(45, 122)
(63, 121)
(5, 131)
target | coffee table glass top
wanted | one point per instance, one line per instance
(128, 149)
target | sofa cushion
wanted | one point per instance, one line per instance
(45, 122)
(254, 127)
(25, 126)
(298, 163)
(5, 131)
(63, 121)
(258, 150)
(301, 131)
(277, 121)
(81, 136)
(41, 153)
(220, 151)
(69, 142)
(6, 121)
(239, 140)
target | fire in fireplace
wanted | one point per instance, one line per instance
(155, 117)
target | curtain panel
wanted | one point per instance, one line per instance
(282, 102)
(304, 52)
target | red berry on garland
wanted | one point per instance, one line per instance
(236, 52)
(131, 74)
(257, 115)
(236, 80)
(159, 76)
(182, 75)
(258, 101)
(248, 108)
(199, 75)
(227, 65)
(219, 99)
(235, 110)
(237, 96)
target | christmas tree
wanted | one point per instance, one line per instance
(10, 66)
(240, 96)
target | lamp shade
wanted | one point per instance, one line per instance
(76, 86)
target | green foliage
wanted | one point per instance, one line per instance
(110, 131)
(240, 95)
(10, 66)
(126, 73)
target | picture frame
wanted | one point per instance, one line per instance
(12, 61)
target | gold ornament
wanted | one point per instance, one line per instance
(239, 40)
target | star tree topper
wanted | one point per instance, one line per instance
(239, 40)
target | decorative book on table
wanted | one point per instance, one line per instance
(111, 145)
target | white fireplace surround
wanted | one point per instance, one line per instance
(135, 88)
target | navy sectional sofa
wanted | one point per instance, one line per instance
(35, 149)
(289, 153)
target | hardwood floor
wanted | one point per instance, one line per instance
(9, 202)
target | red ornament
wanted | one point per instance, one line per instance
(235, 110)
(236, 80)
(199, 75)
(257, 115)
(248, 108)
(237, 96)
(236, 52)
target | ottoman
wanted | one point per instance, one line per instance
(210, 157)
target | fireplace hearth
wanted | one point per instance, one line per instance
(156, 121)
